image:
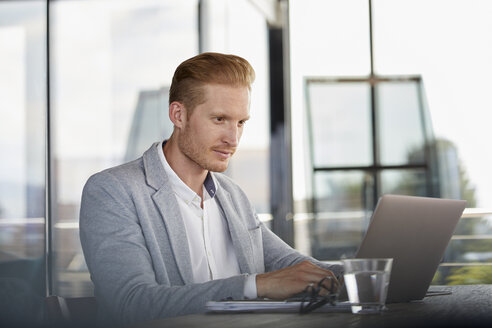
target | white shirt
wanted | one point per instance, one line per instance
(211, 258)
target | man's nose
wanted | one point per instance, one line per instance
(232, 135)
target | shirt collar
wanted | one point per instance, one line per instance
(185, 192)
(210, 185)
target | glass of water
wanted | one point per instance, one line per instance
(366, 281)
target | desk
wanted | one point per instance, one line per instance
(468, 306)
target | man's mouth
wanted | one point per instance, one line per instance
(223, 153)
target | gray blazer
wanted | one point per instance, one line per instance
(136, 248)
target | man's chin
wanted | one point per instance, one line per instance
(217, 167)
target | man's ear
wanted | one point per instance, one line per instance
(177, 114)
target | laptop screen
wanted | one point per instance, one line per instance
(415, 232)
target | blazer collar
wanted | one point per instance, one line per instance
(167, 204)
(154, 172)
(238, 230)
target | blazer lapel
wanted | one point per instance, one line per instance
(169, 209)
(239, 232)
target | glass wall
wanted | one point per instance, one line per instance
(453, 57)
(110, 91)
(448, 49)
(22, 164)
(367, 137)
(112, 64)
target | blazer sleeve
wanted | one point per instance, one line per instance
(121, 266)
(278, 254)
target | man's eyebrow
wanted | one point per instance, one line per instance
(227, 116)
(221, 114)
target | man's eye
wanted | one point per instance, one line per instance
(241, 123)
(218, 119)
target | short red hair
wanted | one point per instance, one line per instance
(208, 68)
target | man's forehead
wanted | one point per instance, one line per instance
(209, 86)
(213, 92)
(224, 100)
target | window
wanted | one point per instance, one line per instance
(367, 137)
(430, 129)
(112, 64)
(454, 62)
(110, 68)
(23, 147)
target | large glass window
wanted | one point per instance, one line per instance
(338, 227)
(454, 62)
(112, 64)
(401, 126)
(22, 167)
(430, 123)
(339, 117)
(327, 38)
(367, 138)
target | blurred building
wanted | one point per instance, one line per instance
(150, 122)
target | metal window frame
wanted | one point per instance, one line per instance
(49, 182)
(376, 167)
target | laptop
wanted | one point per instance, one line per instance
(415, 232)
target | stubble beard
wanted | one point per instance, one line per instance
(198, 153)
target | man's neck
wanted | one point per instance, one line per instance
(189, 172)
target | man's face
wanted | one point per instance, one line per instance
(211, 133)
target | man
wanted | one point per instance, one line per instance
(164, 234)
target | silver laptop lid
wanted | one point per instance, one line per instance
(415, 232)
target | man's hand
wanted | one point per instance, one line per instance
(292, 280)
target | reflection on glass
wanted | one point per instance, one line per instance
(411, 182)
(400, 123)
(340, 124)
(112, 66)
(22, 167)
(340, 219)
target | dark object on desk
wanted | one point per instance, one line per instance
(313, 299)
(70, 312)
(414, 232)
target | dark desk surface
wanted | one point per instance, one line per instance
(468, 306)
